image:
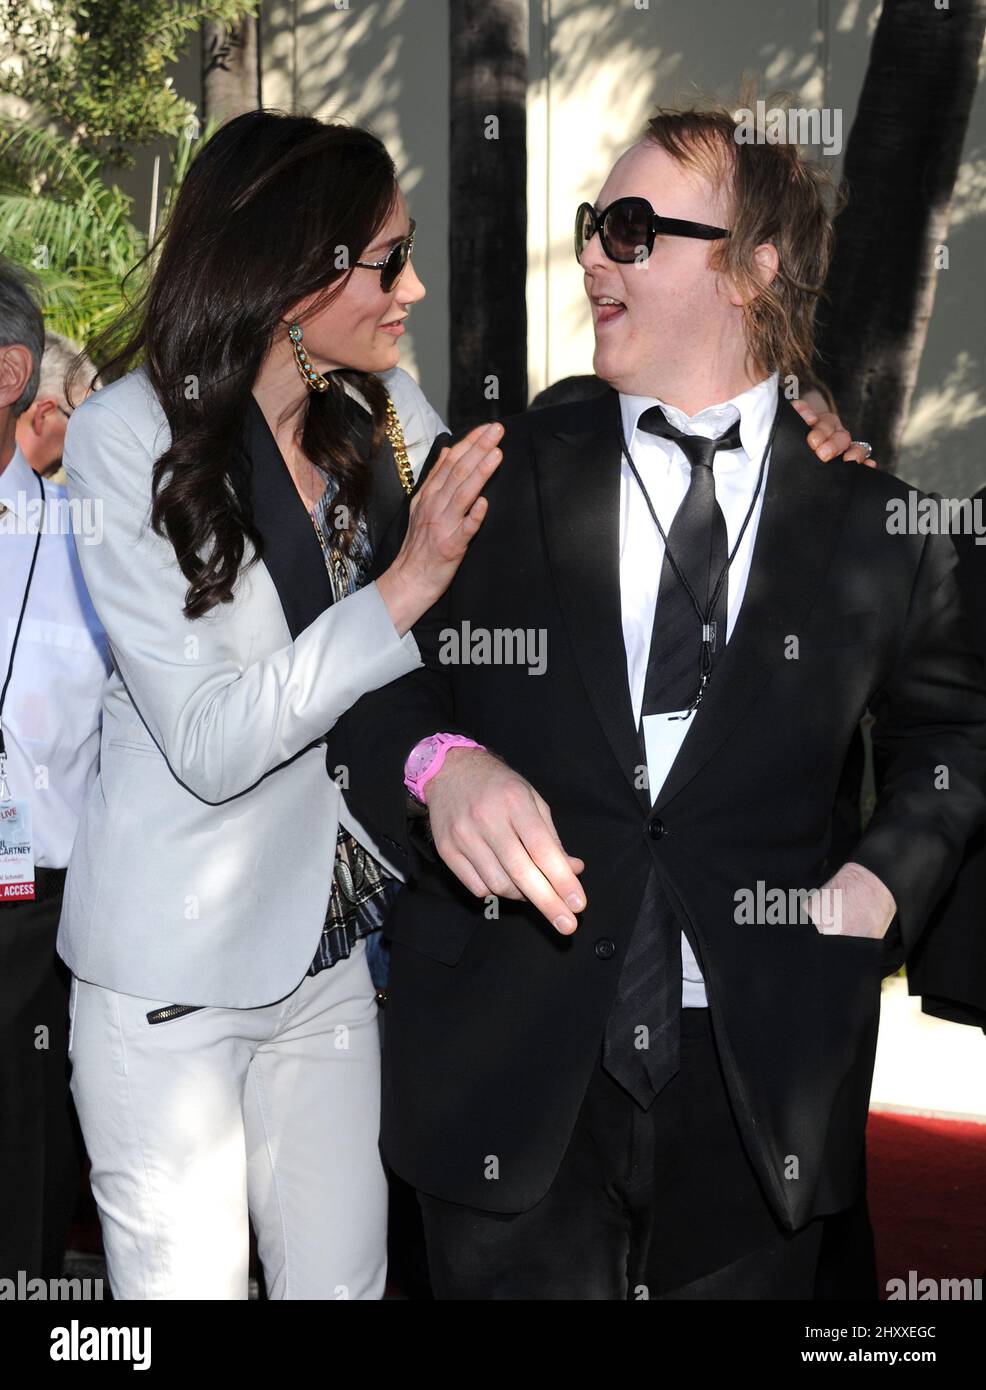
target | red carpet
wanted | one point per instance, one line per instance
(927, 1196)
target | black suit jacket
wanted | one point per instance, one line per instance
(948, 966)
(493, 1026)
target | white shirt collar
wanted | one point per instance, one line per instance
(755, 407)
(19, 487)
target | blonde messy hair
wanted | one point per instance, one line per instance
(775, 195)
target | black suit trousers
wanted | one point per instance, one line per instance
(39, 1160)
(655, 1204)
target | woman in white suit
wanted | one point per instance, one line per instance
(224, 1038)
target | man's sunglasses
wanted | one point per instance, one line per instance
(393, 265)
(630, 225)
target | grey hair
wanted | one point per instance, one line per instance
(60, 355)
(21, 323)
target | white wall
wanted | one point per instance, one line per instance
(381, 64)
(597, 67)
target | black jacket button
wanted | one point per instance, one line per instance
(605, 949)
(655, 828)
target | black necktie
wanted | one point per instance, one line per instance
(641, 1043)
(698, 542)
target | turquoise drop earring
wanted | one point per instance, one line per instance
(314, 379)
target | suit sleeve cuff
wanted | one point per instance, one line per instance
(395, 654)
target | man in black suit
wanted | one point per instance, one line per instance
(948, 967)
(644, 1072)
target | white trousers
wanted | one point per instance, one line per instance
(200, 1123)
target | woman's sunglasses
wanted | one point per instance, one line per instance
(393, 265)
(630, 225)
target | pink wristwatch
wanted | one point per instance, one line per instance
(426, 758)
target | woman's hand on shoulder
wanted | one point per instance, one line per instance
(828, 437)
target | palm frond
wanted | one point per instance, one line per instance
(66, 234)
(75, 232)
(186, 148)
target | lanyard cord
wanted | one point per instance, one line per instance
(703, 617)
(20, 620)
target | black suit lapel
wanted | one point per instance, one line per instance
(292, 553)
(388, 500)
(804, 502)
(387, 495)
(578, 479)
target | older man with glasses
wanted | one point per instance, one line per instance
(53, 664)
(41, 427)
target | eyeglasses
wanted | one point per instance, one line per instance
(629, 225)
(392, 267)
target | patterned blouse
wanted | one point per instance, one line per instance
(362, 890)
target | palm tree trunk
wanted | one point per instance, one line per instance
(488, 45)
(900, 169)
(230, 69)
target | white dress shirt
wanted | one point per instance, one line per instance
(51, 716)
(665, 472)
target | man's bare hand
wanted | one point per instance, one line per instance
(855, 903)
(496, 834)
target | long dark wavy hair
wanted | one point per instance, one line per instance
(256, 227)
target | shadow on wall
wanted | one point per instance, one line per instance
(607, 68)
(382, 64)
(943, 449)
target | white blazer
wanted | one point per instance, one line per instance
(202, 866)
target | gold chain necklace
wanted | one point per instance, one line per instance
(396, 436)
(405, 472)
(315, 381)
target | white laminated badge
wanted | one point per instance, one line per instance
(16, 852)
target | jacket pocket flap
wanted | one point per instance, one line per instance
(436, 926)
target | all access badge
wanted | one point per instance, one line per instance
(16, 852)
